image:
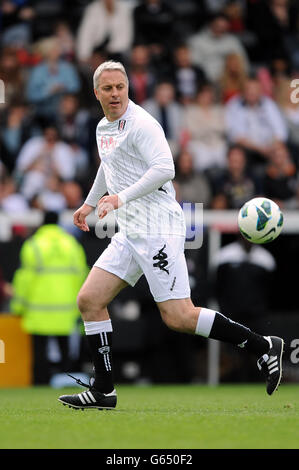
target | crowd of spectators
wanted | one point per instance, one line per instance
(216, 74)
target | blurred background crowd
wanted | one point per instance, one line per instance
(219, 76)
(216, 74)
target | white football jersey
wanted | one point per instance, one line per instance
(128, 148)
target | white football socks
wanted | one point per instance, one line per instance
(205, 322)
(95, 327)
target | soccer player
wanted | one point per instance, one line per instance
(136, 170)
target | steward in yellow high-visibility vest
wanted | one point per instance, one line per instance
(53, 268)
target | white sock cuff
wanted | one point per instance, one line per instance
(95, 327)
(205, 322)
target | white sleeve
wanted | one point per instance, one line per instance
(98, 188)
(152, 146)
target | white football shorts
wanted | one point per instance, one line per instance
(160, 259)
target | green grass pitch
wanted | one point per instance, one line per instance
(154, 417)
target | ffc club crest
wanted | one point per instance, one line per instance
(121, 125)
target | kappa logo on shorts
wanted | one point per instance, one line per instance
(162, 257)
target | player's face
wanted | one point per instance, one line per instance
(112, 93)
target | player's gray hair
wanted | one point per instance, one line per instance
(108, 65)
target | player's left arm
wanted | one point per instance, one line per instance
(154, 149)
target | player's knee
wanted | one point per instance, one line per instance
(173, 321)
(85, 302)
(181, 317)
(91, 309)
(82, 301)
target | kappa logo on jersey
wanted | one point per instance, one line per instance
(121, 125)
(162, 257)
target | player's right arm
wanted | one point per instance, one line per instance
(98, 189)
(80, 217)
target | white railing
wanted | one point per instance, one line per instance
(216, 220)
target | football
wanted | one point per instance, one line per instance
(260, 220)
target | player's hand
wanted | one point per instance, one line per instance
(107, 204)
(80, 217)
